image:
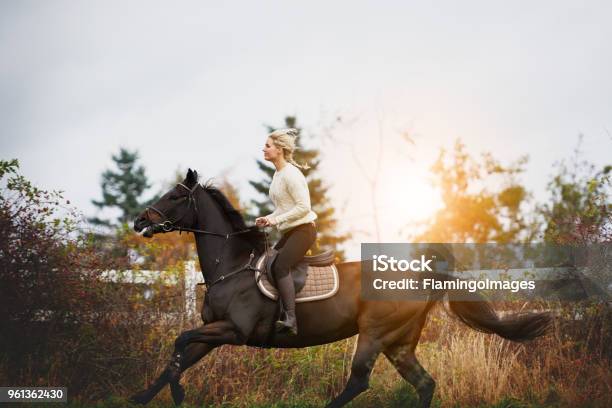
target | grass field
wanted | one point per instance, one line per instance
(570, 367)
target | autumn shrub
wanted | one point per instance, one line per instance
(62, 323)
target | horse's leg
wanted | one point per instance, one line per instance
(363, 362)
(404, 360)
(189, 347)
(178, 363)
(215, 333)
(186, 353)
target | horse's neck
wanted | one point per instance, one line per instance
(211, 248)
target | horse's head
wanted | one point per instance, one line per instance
(177, 208)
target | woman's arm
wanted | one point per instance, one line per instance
(272, 216)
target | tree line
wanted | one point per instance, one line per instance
(60, 323)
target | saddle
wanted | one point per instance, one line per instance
(314, 278)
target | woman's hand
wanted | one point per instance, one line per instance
(262, 222)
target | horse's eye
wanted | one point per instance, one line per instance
(174, 198)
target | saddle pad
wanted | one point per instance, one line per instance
(321, 283)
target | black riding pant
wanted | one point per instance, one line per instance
(292, 247)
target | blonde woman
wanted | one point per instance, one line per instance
(292, 216)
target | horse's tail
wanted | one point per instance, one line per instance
(479, 314)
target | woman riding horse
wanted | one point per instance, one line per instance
(292, 216)
(236, 312)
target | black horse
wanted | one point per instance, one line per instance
(235, 311)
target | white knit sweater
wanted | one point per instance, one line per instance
(291, 198)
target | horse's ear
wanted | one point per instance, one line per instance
(192, 176)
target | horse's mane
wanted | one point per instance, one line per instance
(255, 237)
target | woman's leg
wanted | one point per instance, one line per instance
(295, 247)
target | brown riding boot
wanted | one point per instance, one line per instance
(286, 290)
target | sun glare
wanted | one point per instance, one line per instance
(405, 198)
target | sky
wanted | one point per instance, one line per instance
(192, 84)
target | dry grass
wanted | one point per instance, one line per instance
(470, 368)
(570, 367)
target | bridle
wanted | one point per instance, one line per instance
(168, 225)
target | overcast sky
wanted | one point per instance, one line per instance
(191, 84)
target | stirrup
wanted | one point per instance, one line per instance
(287, 326)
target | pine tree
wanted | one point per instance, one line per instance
(122, 188)
(327, 236)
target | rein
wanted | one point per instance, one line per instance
(169, 225)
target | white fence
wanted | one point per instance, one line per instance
(191, 279)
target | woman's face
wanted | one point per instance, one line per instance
(271, 152)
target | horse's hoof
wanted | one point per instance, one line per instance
(178, 393)
(140, 398)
